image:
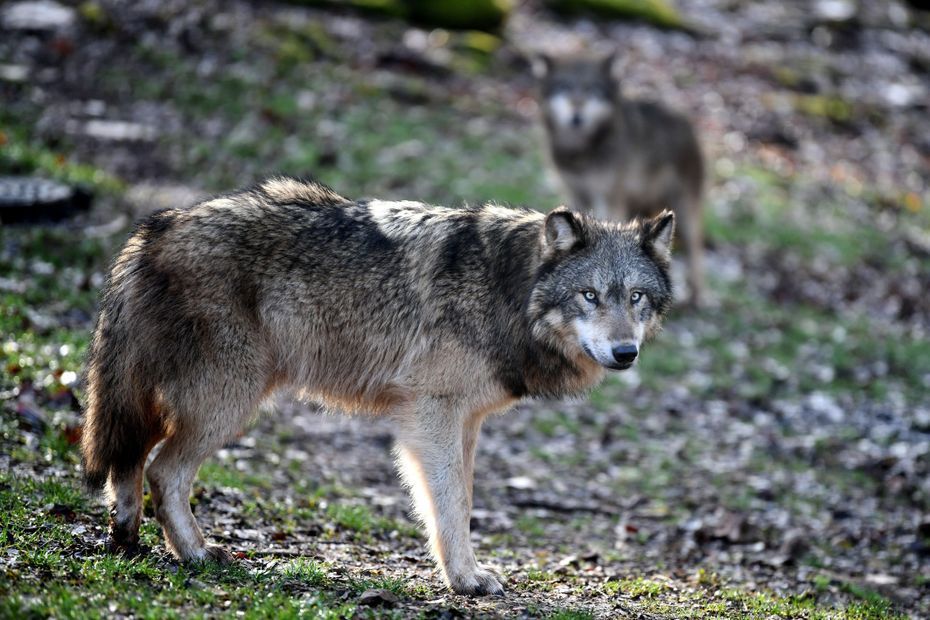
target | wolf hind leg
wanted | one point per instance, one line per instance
(432, 460)
(170, 477)
(211, 400)
(124, 491)
(197, 435)
(124, 498)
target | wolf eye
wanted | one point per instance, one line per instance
(635, 296)
(590, 296)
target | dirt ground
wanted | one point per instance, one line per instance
(769, 456)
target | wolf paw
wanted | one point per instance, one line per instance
(482, 582)
(220, 555)
(130, 549)
(122, 536)
(211, 553)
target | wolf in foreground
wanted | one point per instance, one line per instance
(434, 317)
(619, 157)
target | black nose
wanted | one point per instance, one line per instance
(625, 353)
(576, 120)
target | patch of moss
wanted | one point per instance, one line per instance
(657, 12)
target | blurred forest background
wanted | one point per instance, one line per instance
(769, 457)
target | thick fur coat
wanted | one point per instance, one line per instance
(434, 317)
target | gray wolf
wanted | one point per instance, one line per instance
(619, 157)
(431, 316)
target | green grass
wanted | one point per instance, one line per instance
(105, 588)
(218, 474)
(21, 152)
(531, 527)
(636, 587)
(308, 572)
(658, 12)
(360, 520)
(392, 584)
(792, 336)
(553, 423)
(871, 604)
(710, 598)
(776, 213)
(45, 318)
(539, 581)
(56, 574)
(436, 150)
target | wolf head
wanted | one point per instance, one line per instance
(603, 288)
(577, 95)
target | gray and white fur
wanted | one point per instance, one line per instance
(430, 316)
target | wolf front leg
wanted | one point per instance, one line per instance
(431, 455)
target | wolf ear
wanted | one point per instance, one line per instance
(658, 233)
(564, 230)
(541, 64)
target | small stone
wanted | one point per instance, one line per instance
(118, 131)
(522, 483)
(835, 10)
(378, 598)
(43, 15)
(881, 579)
(14, 73)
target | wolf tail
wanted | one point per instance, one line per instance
(115, 429)
(121, 417)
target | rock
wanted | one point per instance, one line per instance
(40, 16)
(119, 131)
(378, 598)
(521, 483)
(14, 73)
(881, 579)
(898, 95)
(35, 199)
(248, 534)
(836, 11)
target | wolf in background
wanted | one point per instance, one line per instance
(433, 317)
(619, 157)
